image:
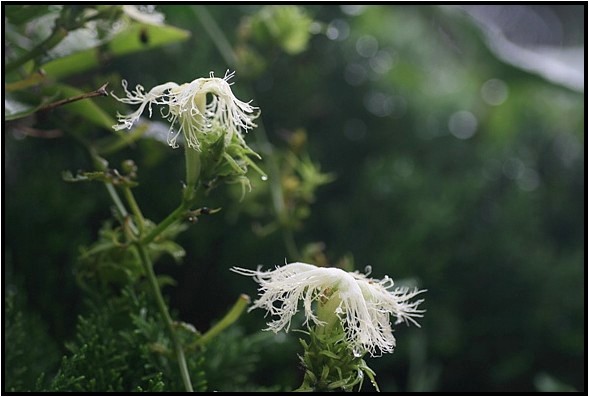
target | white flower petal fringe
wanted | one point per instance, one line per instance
(364, 309)
(187, 106)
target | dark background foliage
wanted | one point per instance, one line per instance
(455, 170)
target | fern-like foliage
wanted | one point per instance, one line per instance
(29, 351)
(122, 346)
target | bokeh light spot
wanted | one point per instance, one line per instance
(355, 74)
(494, 92)
(463, 124)
(367, 46)
(338, 30)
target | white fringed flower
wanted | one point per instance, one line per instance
(202, 106)
(363, 305)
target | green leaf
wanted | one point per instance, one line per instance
(31, 80)
(141, 37)
(71, 64)
(98, 247)
(329, 354)
(164, 280)
(136, 37)
(169, 247)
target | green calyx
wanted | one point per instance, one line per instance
(330, 363)
(228, 162)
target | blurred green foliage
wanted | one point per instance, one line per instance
(122, 346)
(478, 199)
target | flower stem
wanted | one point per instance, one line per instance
(192, 158)
(148, 268)
(229, 318)
(101, 165)
(116, 199)
(112, 144)
(58, 34)
(277, 193)
(226, 51)
(163, 225)
(134, 208)
(216, 35)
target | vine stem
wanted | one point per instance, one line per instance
(148, 268)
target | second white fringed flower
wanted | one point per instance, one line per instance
(202, 106)
(364, 305)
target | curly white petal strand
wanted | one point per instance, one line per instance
(224, 111)
(365, 307)
(138, 96)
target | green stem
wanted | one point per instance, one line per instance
(276, 192)
(116, 199)
(112, 144)
(218, 38)
(216, 35)
(192, 158)
(60, 31)
(98, 92)
(101, 165)
(55, 38)
(163, 225)
(134, 208)
(192, 155)
(148, 268)
(232, 315)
